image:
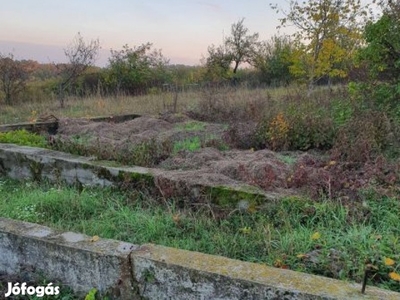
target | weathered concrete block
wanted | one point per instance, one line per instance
(168, 273)
(74, 259)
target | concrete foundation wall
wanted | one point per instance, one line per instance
(21, 162)
(126, 271)
(32, 251)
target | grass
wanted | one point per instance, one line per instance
(190, 144)
(23, 137)
(113, 105)
(191, 126)
(287, 159)
(324, 238)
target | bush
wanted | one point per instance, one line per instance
(365, 137)
(300, 127)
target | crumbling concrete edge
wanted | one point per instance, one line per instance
(126, 271)
(79, 261)
(23, 162)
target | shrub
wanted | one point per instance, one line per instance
(310, 132)
(296, 130)
(242, 135)
(366, 136)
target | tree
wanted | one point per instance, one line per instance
(218, 63)
(240, 47)
(81, 56)
(381, 55)
(13, 77)
(135, 69)
(272, 60)
(328, 34)
(382, 52)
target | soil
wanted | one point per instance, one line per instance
(294, 172)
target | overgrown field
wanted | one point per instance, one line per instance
(338, 147)
(357, 124)
(324, 237)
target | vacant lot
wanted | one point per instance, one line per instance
(333, 160)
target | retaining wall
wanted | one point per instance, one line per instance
(51, 127)
(22, 162)
(126, 271)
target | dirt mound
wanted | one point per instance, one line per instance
(184, 160)
(140, 126)
(261, 168)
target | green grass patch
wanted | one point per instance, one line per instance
(24, 138)
(191, 126)
(190, 144)
(323, 238)
(287, 159)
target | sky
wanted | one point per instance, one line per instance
(183, 29)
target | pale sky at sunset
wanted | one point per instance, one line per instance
(40, 29)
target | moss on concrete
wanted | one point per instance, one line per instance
(106, 163)
(227, 196)
(214, 273)
(136, 179)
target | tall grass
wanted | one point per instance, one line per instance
(323, 237)
(152, 104)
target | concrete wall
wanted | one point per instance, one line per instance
(21, 162)
(126, 271)
(51, 127)
(32, 250)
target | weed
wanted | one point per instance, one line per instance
(189, 144)
(148, 153)
(191, 126)
(287, 158)
(215, 142)
(277, 132)
(23, 137)
(242, 135)
(365, 137)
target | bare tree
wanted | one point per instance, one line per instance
(13, 77)
(81, 55)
